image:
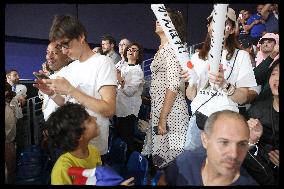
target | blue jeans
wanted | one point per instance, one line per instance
(193, 135)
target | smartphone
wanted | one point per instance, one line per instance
(241, 16)
(40, 75)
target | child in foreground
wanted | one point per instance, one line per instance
(70, 128)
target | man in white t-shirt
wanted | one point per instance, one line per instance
(57, 62)
(89, 80)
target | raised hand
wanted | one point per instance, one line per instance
(274, 157)
(218, 78)
(256, 130)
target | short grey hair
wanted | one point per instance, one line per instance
(127, 40)
(213, 118)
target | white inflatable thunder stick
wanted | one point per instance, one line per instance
(218, 37)
(179, 47)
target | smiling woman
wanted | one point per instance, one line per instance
(263, 160)
(128, 99)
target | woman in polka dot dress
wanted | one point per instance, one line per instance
(169, 114)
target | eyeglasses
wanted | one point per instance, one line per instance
(65, 44)
(132, 50)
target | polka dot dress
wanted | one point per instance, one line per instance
(166, 75)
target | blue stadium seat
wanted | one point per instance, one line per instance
(137, 167)
(116, 155)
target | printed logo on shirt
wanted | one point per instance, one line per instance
(210, 92)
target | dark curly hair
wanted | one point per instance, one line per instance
(140, 52)
(64, 126)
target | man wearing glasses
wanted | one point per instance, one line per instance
(90, 80)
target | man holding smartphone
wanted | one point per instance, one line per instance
(90, 80)
(57, 62)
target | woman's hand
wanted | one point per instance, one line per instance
(185, 75)
(118, 74)
(218, 78)
(274, 157)
(60, 85)
(256, 130)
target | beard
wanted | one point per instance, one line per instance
(16, 81)
(106, 52)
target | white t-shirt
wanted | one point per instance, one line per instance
(89, 76)
(49, 105)
(128, 99)
(121, 64)
(242, 76)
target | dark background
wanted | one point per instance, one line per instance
(27, 27)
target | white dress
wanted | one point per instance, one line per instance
(166, 75)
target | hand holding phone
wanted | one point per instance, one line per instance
(40, 75)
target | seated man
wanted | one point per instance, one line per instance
(226, 141)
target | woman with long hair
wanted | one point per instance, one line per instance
(169, 114)
(233, 79)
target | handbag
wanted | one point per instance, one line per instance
(200, 120)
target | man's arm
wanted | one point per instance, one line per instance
(104, 106)
(265, 11)
(249, 26)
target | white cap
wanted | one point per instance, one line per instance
(231, 14)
